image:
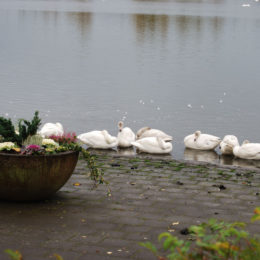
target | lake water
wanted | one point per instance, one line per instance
(179, 66)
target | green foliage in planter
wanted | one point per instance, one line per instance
(29, 128)
(214, 240)
(7, 131)
(33, 139)
(25, 129)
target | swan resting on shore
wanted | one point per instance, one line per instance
(201, 141)
(98, 139)
(154, 145)
(150, 132)
(50, 129)
(227, 144)
(125, 136)
(247, 150)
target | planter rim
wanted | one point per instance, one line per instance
(36, 155)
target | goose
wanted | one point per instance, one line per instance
(50, 129)
(156, 145)
(98, 139)
(227, 144)
(247, 150)
(201, 141)
(125, 136)
(150, 132)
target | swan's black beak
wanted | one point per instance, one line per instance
(120, 130)
(195, 139)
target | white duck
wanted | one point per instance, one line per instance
(156, 145)
(201, 141)
(125, 135)
(51, 129)
(149, 132)
(227, 144)
(247, 150)
(98, 139)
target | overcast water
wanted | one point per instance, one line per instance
(178, 66)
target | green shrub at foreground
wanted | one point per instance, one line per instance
(214, 240)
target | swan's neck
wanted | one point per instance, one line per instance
(142, 130)
(109, 139)
(161, 143)
(59, 126)
(235, 150)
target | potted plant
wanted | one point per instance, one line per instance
(34, 168)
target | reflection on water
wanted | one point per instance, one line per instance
(227, 159)
(201, 156)
(197, 25)
(239, 162)
(176, 65)
(246, 163)
(147, 25)
(82, 21)
(126, 152)
(213, 157)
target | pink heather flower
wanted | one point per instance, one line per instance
(65, 138)
(33, 147)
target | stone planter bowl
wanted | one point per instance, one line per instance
(34, 177)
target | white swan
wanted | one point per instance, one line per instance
(201, 141)
(98, 139)
(149, 132)
(247, 150)
(51, 129)
(125, 135)
(156, 145)
(228, 143)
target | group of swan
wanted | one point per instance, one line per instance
(156, 141)
(146, 140)
(228, 146)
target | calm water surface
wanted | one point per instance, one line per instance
(175, 65)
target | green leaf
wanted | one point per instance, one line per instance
(256, 217)
(164, 234)
(168, 243)
(15, 255)
(58, 257)
(149, 246)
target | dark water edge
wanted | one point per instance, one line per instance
(192, 157)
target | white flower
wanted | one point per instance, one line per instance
(49, 142)
(6, 146)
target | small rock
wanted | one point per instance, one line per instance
(220, 186)
(257, 194)
(179, 183)
(185, 231)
